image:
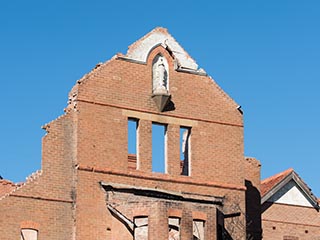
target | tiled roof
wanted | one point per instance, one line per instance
(6, 187)
(269, 183)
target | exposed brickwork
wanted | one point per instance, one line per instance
(135, 94)
(46, 197)
(30, 225)
(53, 219)
(253, 198)
(280, 220)
(88, 145)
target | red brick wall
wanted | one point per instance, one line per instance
(120, 89)
(54, 219)
(253, 198)
(280, 220)
(46, 198)
(93, 218)
(217, 132)
(89, 145)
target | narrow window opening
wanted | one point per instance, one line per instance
(198, 229)
(185, 151)
(141, 228)
(29, 234)
(174, 228)
(159, 148)
(132, 143)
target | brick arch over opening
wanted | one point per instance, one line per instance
(160, 50)
(30, 225)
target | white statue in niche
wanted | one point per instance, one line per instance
(160, 75)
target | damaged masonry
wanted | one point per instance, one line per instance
(96, 187)
(121, 199)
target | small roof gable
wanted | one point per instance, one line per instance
(139, 50)
(281, 185)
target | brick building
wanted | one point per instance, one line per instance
(289, 209)
(92, 185)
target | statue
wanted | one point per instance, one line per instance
(160, 75)
(160, 82)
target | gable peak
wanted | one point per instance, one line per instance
(139, 50)
(281, 182)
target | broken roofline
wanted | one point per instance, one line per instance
(161, 193)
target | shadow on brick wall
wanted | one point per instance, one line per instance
(253, 212)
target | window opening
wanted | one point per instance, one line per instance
(174, 228)
(29, 234)
(159, 148)
(185, 150)
(141, 228)
(198, 229)
(132, 143)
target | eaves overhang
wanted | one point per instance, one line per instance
(293, 176)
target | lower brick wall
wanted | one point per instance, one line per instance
(282, 221)
(52, 219)
(273, 230)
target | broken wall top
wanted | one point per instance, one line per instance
(124, 87)
(215, 103)
(140, 50)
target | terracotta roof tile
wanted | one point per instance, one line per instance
(6, 187)
(268, 183)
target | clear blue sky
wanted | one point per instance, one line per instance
(265, 54)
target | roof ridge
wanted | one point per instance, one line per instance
(269, 183)
(283, 173)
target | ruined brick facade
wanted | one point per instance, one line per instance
(91, 187)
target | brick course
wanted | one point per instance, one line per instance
(280, 220)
